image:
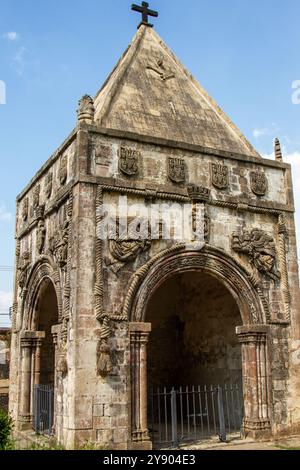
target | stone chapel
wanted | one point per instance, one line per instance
(128, 343)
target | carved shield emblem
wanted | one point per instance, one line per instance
(177, 170)
(48, 185)
(63, 170)
(220, 175)
(259, 183)
(129, 161)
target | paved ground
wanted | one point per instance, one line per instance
(237, 443)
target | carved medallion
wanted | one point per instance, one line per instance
(36, 197)
(177, 170)
(25, 206)
(63, 170)
(129, 161)
(198, 193)
(48, 185)
(258, 183)
(219, 175)
(260, 248)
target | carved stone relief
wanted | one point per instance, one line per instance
(41, 236)
(176, 170)
(25, 207)
(23, 268)
(129, 161)
(48, 185)
(219, 175)
(198, 193)
(125, 251)
(260, 248)
(63, 170)
(36, 197)
(59, 245)
(258, 183)
(161, 69)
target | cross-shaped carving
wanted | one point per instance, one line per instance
(145, 13)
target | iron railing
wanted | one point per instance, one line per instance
(194, 413)
(43, 409)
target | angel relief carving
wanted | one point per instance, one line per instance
(260, 248)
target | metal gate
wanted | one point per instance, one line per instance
(43, 409)
(194, 413)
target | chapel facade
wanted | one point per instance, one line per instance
(114, 332)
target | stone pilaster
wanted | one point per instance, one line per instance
(139, 336)
(30, 340)
(253, 339)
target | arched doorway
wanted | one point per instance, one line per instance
(46, 316)
(41, 312)
(252, 331)
(193, 349)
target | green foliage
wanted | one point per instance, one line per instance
(6, 426)
(49, 445)
(89, 445)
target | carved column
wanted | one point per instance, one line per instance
(30, 343)
(139, 335)
(255, 380)
(25, 392)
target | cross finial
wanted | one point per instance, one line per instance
(144, 10)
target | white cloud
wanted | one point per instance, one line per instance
(257, 133)
(18, 61)
(4, 214)
(11, 36)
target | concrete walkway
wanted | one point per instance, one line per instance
(237, 443)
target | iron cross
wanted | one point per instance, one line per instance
(145, 13)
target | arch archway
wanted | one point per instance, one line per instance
(41, 311)
(251, 330)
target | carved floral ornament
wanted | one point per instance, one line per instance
(260, 248)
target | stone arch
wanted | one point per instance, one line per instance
(244, 288)
(253, 335)
(42, 271)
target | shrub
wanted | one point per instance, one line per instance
(6, 426)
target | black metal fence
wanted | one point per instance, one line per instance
(194, 413)
(43, 409)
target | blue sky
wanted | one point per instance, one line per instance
(245, 53)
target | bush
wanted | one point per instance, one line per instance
(6, 426)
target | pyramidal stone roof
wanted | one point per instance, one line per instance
(150, 93)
